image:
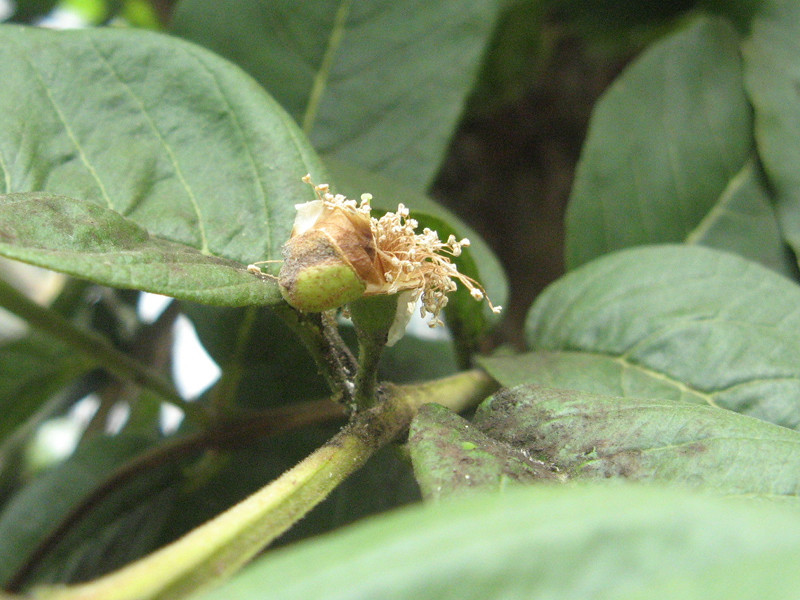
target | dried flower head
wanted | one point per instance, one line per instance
(380, 256)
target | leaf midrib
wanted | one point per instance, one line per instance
(62, 119)
(322, 76)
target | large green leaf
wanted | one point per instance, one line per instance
(587, 371)
(93, 242)
(620, 542)
(663, 144)
(162, 131)
(644, 439)
(375, 82)
(772, 71)
(709, 325)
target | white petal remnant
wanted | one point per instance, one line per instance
(401, 260)
(406, 303)
(307, 215)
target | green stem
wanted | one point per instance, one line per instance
(92, 345)
(369, 358)
(223, 545)
(321, 338)
(373, 318)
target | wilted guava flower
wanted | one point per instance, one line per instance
(338, 253)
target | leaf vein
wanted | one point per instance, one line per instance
(167, 147)
(67, 129)
(250, 156)
(681, 386)
(716, 439)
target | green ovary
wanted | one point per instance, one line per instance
(323, 287)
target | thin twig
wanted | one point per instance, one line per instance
(89, 343)
(366, 383)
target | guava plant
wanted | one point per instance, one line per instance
(644, 445)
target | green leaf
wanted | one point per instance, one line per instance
(414, 359)
(466, 318)
(772, 79)
(708, 324)
(96, 243)
(450, 456)
(589, 372)
(618, 542)
(650, 440)
(375, 82)
(744, 221)
(162, 131)
(663, 144)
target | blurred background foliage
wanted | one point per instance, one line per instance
(508, 174)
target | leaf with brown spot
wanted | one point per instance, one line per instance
(451, 456)
(592, 436)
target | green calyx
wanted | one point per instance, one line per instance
(315, 276)
(324, 287)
